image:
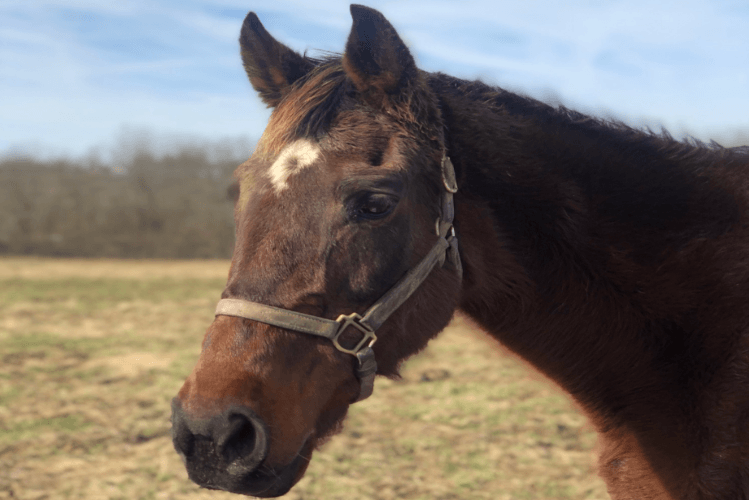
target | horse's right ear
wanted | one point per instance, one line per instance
(271, 66)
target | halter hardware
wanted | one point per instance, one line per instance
(445, 249)
(355, 320)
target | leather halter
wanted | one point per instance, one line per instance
(446, 248)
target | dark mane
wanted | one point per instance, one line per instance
(638, 141)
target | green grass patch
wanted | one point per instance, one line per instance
(64, 424)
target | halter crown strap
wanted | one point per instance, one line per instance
(445, 247)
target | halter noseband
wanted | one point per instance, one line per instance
(446, 248)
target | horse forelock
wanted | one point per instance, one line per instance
(307, 111)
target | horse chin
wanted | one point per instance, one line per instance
(264, 482)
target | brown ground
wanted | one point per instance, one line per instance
(92, 351)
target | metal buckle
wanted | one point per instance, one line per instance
(354, 319)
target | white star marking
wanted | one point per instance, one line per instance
(293, 158)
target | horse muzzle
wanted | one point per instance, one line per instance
(227, 451)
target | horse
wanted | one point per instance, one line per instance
(381, 199)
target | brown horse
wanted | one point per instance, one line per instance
(614, 260)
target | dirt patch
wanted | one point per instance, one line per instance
(131, 364)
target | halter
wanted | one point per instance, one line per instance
(446, 248)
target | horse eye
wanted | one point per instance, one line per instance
(374, 206)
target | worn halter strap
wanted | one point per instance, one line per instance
(446, 247)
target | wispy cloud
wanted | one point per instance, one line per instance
(74, 71)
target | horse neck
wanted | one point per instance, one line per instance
(590, 251)
(543, 273)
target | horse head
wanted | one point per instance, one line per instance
(344, 196)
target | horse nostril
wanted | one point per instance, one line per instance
(238, 438)
(241, 440)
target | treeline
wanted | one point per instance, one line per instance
(137, 204)
(148, 198)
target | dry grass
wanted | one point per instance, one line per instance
(36, 268)
(92, 351)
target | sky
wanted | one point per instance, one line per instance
(79, 74)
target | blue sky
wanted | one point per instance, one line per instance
(78, 73)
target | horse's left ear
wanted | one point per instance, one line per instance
(376, 59)
(271, 66)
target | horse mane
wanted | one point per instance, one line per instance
(639, 142)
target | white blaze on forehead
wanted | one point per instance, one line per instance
(298, 155)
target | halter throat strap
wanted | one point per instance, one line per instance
(444, 249)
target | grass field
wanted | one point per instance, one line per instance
(91, 353)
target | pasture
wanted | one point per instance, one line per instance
(92, 351)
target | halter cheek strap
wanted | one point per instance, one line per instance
(446, 248)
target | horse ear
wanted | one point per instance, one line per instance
(376, 59)
(271, 66)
